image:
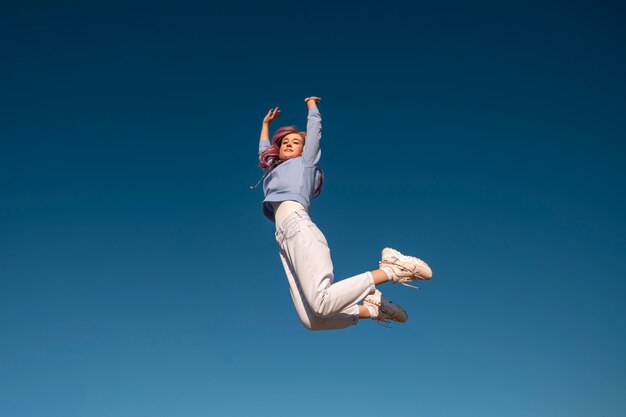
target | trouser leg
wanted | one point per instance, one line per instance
(306, 258)
(310, 320)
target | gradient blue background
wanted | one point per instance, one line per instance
(139, 278)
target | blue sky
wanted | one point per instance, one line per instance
(138, 276)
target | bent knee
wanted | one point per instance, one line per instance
(313, 323)
(322, 308)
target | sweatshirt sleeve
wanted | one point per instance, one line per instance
(312, 153)
(263, 145)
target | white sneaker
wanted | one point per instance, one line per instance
(405, 268)
(385, 310)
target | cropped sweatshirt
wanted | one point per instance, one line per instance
(297, 178)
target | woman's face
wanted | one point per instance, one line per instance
(291, 146)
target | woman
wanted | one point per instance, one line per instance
(292, 179)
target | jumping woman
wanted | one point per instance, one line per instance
(292, 178)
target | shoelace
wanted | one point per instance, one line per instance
(382, 321)
(409, 285)
(401, 282)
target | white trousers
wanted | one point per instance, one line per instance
(320, 303)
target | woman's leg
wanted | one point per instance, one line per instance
(364, 312)
(307, 257)
(380, 276)
(348, 317)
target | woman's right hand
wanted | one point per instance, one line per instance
(271, 115)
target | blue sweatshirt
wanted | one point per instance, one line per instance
(297, 178)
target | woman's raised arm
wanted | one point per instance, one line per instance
(271, 115)
(311, 154)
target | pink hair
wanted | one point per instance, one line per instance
(270, 159)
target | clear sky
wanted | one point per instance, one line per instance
(138, 276)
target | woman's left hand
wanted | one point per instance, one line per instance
(315, 99)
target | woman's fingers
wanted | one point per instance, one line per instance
(273, 113)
